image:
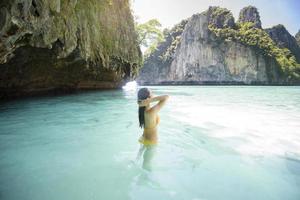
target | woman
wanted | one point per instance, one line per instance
(149, 120)
(148, 116)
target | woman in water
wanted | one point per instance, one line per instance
(149, 120)
(148, 116)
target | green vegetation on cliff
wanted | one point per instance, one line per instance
(220, 17)
(247, 34)
(47, 45)
(149, 35)
(174, 36)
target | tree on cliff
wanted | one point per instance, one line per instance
(149, 35)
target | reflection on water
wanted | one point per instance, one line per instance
(147, 152)
(148, 156)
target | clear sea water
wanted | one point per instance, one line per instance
(215, 142)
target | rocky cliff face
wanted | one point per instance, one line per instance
(297, 36)
(55, 44)
(250, 14)
(219, 17)
(157, 64)
(203, 57)
(284, 39)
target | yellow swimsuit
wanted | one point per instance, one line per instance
(146, 141)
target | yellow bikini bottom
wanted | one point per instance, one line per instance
(144, 141)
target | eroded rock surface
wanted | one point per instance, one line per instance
(250, 14)
(297, 36)
(284, 39)
(57, 44)
(202, 58)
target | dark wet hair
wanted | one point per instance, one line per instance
(143, 93)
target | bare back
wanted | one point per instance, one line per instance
(152, 119)
(151, 122)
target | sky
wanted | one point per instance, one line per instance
(171, 12)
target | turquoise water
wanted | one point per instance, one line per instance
(215, 143)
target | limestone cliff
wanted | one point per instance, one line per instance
(250, 14)
(297, 36)
(157, 64)
(284, 39)
(204, 54)
(55, 44)
(219, 17)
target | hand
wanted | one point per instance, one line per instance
(144, 102)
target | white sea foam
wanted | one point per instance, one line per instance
(132, 85)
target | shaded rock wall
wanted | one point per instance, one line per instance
(297, 36)
(284, 39)
(57, 44)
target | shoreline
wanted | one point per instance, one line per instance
(7, 95)
(48, 93)
(203, 83)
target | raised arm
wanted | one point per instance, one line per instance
(162, 101)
